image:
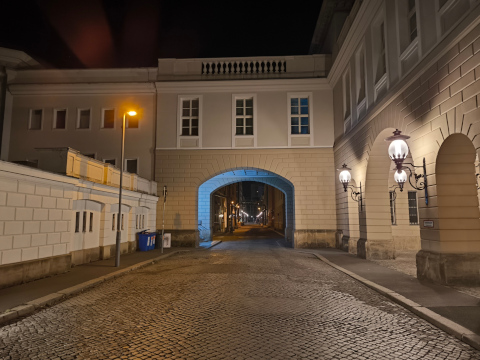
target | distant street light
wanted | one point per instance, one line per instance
(119, 233)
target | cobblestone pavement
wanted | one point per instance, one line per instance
(241, 300)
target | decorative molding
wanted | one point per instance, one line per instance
(81, 89)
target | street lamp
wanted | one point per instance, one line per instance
(119, 233)
(345, 178)
(398, 151)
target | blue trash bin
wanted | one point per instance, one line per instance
(144, 240)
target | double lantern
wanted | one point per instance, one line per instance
(398, 152)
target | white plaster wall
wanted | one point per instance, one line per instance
(37, 213)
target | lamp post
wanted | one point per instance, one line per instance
(119, 231)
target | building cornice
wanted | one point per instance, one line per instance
(243, 85)
(362, 21)
(81, 89)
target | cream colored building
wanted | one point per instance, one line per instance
(291, 122)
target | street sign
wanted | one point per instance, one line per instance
(428, 223)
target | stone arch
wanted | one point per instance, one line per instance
(206, 189)
(376, 240)
(451, 248)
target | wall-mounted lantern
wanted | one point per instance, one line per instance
(345, 178)
(398, 151)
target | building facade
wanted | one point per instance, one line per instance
(290, 122)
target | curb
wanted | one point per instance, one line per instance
(450, 327)
(31, 306)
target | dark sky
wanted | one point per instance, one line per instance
(135, 33)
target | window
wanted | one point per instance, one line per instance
(89, 155)
(60, 119)
(381, 59)
(84, 228)
(110, 161)
(360, 75)
(132, 121)
(299, 113)
(131, 165)
(113, 221)
(83, 119)
(412, 208)
(77, 221)
(412, 20)
(346, 96)
(91, 223)
(244, 116)
(143, 221)
(190, 113)
(108, 121)
(136, 221)
(393, 215)
(122, 220)
(36, 119)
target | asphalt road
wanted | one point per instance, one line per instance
(244, 299)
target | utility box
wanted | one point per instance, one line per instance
(146, 241)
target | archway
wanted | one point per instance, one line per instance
(451, 243)
(239, 175)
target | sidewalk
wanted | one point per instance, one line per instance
(450, 310)
(20, 300)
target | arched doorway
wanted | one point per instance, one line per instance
(451, 243)
(206, 190)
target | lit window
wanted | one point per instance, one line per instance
(108, 119)
(60, 119)
(83, 119)
(244, 116)
(190, 114)
(131, 165)
(299, 115)
(36, 119)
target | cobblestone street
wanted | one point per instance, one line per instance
(240, 300)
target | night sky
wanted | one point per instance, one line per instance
(135, 33)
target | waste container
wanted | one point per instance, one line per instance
(146, 241)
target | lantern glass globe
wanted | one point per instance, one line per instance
(398, 149)
(400, 176)
(345, 177)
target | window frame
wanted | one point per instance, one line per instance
(181, 137)
(125, 165)
(106, 159)
(102, 125)
(31, 117)
(54, 124)
(77, 127)
(236, 97)
(309, 96)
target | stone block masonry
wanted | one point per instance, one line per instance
(310, 171)
(39, 233)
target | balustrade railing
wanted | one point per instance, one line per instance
(238, 67)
